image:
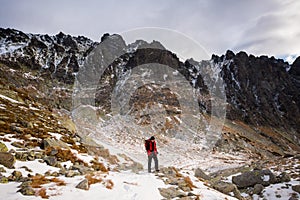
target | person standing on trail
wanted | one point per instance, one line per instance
(150, 145)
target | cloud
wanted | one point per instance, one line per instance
(274, 33)
(258, 27)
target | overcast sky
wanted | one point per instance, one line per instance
(269, 27)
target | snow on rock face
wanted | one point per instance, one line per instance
(60, 55)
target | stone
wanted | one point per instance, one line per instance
(17, 175)
(12, 151)
(227, 188)
(296, 188)
(51, 160)
(200, 174)
(7, 159)
(2, 170)
(136, 167)
(18, 144)
(251, 178)
(27, 191)
(25, 184)
(258, 188)
(83, 185)
(3, 179)
(49, 142)
(38, 156)
(294, 196)
(3, 147)
(55, 174)
(71, 173)
(169, 171)
(82, 169)
(284, 177)
(171, 192)
(21, 156)
(183, 185)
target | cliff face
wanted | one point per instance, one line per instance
(261, 90)
(262, 93)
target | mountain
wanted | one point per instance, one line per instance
(233, 109)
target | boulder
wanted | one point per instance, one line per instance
(136, 167)
(7, 159)
(284, 177)
(3, 179)
(83, 185)
(251, 178)
(71, 173)
(296, 188)
(82, 169)
(258, 188)
(49, 142)
(227, 188)
(200, 174)
(17, 175)
(3, 147)
(27, 191)
(51, 160)
(171, 192)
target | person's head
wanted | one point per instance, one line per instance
(152, 138)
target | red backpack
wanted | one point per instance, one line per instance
(147, 145)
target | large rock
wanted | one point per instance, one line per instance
(258, 188)
(3, 147)
(200, 174)
(51, 160)
(83, 185)
(284, 177)
(227, 188)
(296, 188)
(251, 178)
(7, 159)
(49, 142)
(171, 192)
(27, 191)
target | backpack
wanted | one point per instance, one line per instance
(147, 145)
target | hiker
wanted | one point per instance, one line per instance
(150, 145)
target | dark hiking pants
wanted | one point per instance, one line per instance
(154, 156)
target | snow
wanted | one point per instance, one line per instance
(127, 186)
(9, 99)
(281, 191)
(55, 135)
(266, 178)
(4, 49)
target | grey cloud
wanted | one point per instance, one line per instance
(218, 25)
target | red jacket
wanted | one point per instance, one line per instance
(152, 147)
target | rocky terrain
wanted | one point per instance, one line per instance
(257, 150)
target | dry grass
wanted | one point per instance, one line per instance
(58, 182)
(109, 184)
(80, 148)
(64, 155)
(38, 180)
(177, 172)
(104, 153)
(98, 166)
(189, 182)
(93, 180)
(42, 193)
